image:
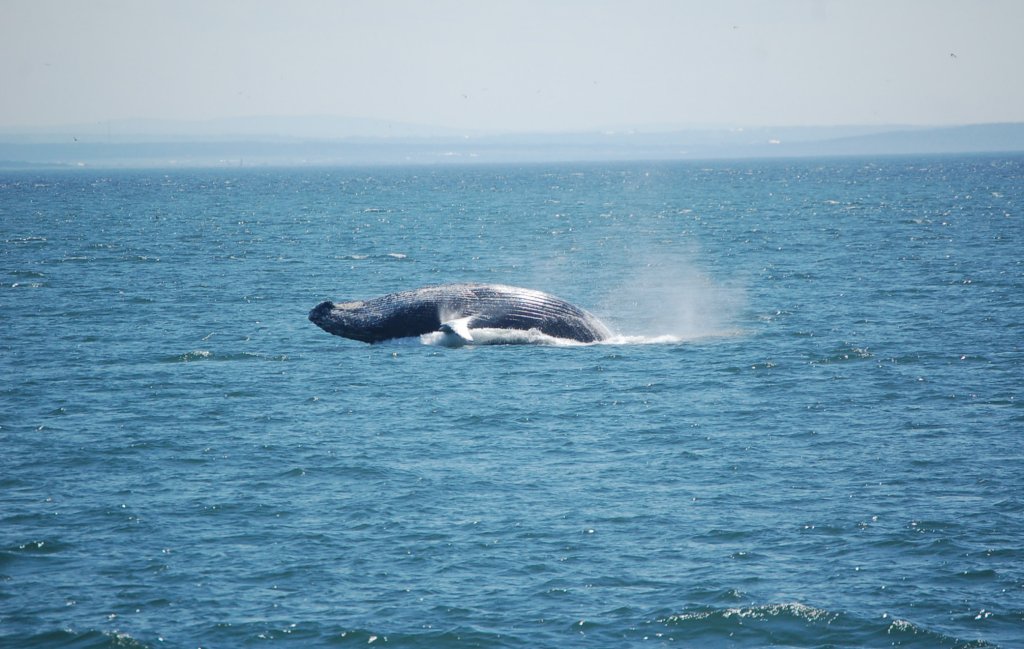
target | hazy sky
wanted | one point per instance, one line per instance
(518, 65)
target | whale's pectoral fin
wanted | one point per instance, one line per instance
(458, 327)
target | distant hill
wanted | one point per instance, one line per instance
(957, 139)
(333, 141)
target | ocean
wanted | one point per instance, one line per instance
(806, 431)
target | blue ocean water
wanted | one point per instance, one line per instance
(807, 432)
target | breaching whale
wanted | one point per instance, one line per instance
(457, 309)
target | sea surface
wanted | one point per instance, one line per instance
(807, 431)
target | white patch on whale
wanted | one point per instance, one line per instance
(493, 336)
(459, 328)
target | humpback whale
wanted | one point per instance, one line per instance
(457, 309)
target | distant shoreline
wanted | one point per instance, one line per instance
(37, 150)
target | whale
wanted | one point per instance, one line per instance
(456, 310)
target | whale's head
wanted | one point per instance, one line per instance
(346, 319)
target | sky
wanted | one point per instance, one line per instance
(515, 66)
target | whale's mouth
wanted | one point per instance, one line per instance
(320, 312)
(343, 319)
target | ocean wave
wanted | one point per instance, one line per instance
(27, 285)
(795, 624)
(842, 354)
(36, 547)
(28, 240)
(79, 640)
(207, 355)
(384, 256)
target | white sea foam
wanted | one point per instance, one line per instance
(535, 337)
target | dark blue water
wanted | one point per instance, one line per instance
(807, 433)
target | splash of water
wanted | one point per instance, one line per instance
(672, 301)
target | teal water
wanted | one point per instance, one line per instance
(807, 432)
